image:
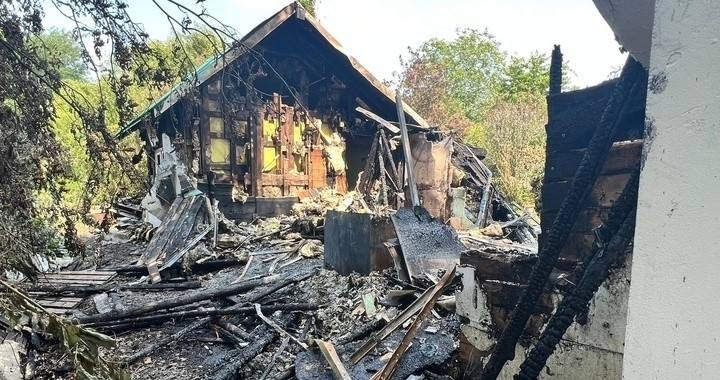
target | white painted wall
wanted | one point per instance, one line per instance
(674, 307)
(591, 351)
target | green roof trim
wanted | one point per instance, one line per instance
(158, 104)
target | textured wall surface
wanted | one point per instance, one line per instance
(672, 330)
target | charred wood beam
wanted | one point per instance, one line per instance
(575, 303)
(412, 185)
(180, 301)
(235, 330)
(388, 154)
(556, 62)
(387, 371)
(281, 285)
(587, 173)
(261, 337)
(149, 320)
(90, 289)
(167, 340)
(201, 322)
(229, 336)
(618, 231)
(203, 266)
(365, 182)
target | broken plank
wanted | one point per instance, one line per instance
(437, 290)
(262, 337)
(107, 287)
(393, 129)
(328, 351)
(147, 320)
(277, 328)
(160, 237)
(172, 259)
(393, 325)
(58, 304)
(73, 281)
(182, 300)
(412, 185)
(73, 276)
(173, 230)
(154, 272)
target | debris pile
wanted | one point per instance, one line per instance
(249, 300)
(350, 285)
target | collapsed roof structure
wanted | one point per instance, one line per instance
(272, 116)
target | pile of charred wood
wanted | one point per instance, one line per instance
(249, 300)
(256, 300)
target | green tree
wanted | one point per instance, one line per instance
(470, 67)
(60, 48)
(494, 99)
(525, 76)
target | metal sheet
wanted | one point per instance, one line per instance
(427, 244)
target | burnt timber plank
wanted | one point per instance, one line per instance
(175, 230)
(61, 305)
(71, 281)
(79, 277)
(606, 190)
(622, 159)
(588, 219)
(56, 310)
(58, 304)
(506, 294)
(505, 266)
(162, 233)
(574, 115)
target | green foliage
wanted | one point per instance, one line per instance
(60, 48)
(464, 74)
(525, 76)
(309, 5)
(516, 144)
(492, 98)
(80, 344)
(47, 237)
(82, 189)
(91, 182)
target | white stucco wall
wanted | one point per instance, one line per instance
(674, 307)
(591, 351)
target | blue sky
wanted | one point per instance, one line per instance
(376, 32)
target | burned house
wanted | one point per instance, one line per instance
(273, 116)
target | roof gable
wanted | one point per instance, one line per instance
(294, 30)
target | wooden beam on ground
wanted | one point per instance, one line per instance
(328, 351)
